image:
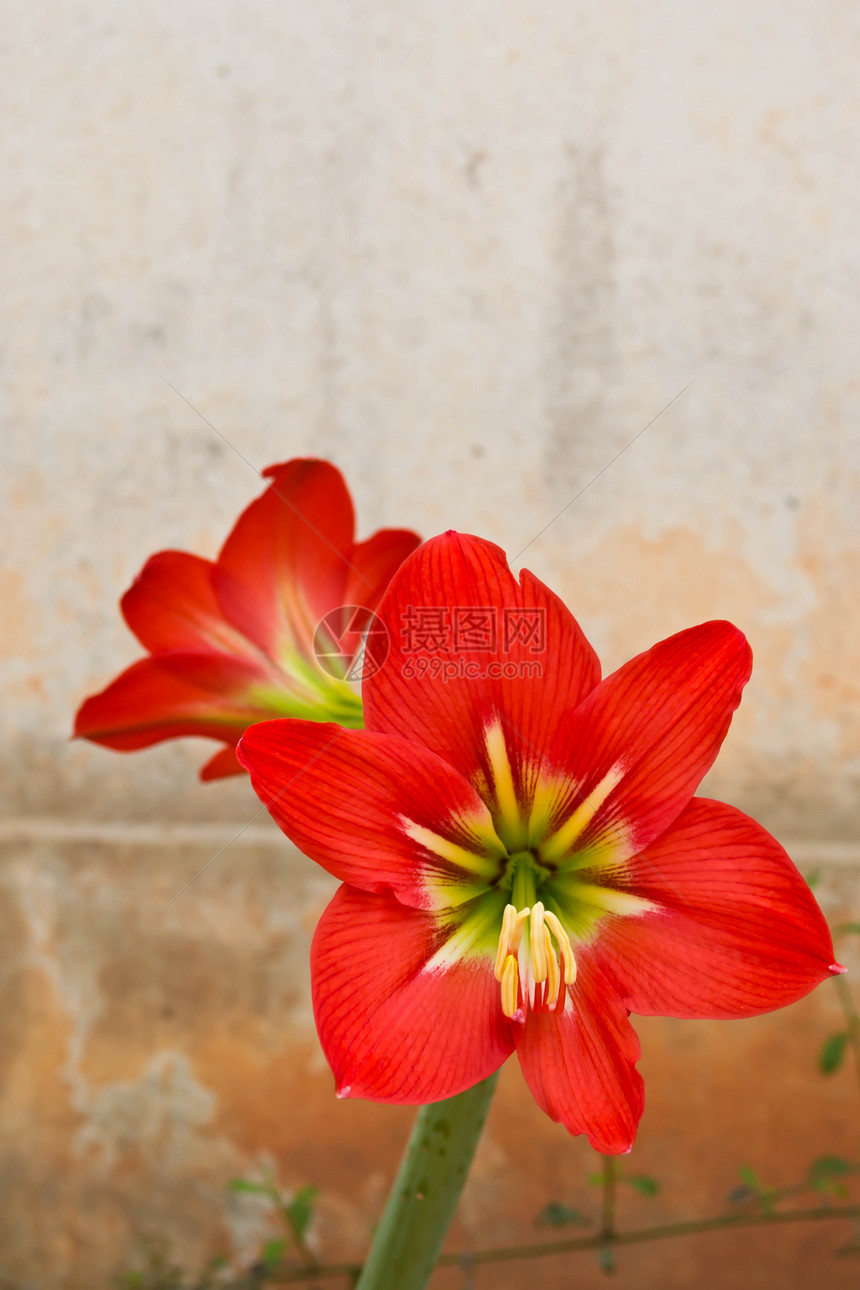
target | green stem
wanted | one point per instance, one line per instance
(426, 1190)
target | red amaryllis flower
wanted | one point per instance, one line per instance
(240, 639)
(523, 860)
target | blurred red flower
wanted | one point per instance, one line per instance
(238, 639)
(523, 860)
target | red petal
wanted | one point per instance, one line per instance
(657, 723)
(738, 932)
(392, 1030)
(341, 796)
(224, 763)
(580, 1063)
(438, 692)
(146, 704)
(287, 560)
(374, 564)
(225, 676)
(171, 605)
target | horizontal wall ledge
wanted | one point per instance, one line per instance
(259, 831)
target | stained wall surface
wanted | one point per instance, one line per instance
(583, 279)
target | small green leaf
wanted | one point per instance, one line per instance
(557, 1215)
(754, 1187)
(825, 1172)
(272, 1252)
(813, 878)
(847, 929)
(606, 1259)
(643, 1183)
(829, 1167)
(251, 1188)
(595, 1180)
(832, 1052)
(300, 1209)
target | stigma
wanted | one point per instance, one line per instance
(533, 958)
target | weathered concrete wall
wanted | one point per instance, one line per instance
(468, 251)
(152, 1053)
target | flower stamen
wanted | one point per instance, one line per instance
(504, 946)
(547, 956)
(565, 948)
(510, 987)
(553, 985)
(538, 942)
(511, 934)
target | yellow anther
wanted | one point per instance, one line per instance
(553, 982)
(538, 942)
(509, 937)
(509, 918)
(565, 948)
(510, 986)
(522, 919)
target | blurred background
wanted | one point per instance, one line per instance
(468, 251)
